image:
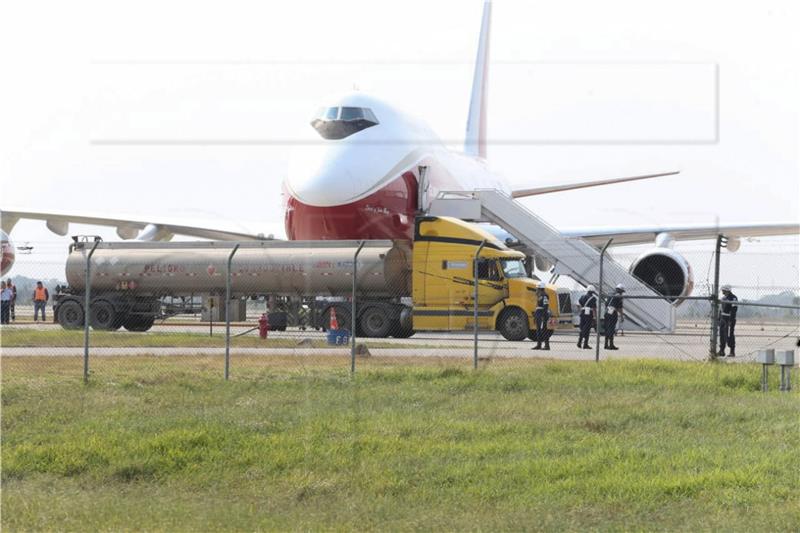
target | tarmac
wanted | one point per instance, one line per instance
(690, 342)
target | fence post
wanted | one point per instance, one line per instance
(712, 349)
(475, 306)
(353, 311)
(86, 310)
(600, 302)
(228, 312)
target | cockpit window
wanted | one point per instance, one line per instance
(340, 122)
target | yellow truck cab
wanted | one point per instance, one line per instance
(443, 282)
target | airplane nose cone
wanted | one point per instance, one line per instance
(324, 176)
(341, 173)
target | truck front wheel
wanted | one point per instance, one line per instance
(513, 324)
(70, 315)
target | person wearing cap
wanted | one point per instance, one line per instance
(727, 322)
(541, 316)
(613, 314)
(588, 306)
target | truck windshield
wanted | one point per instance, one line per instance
(513, 268)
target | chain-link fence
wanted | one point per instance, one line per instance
(242, 310)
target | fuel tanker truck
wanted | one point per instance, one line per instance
(401, 286)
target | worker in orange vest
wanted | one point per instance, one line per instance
(40, 297)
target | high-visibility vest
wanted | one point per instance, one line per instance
(39, 294)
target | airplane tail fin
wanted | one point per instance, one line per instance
(475, 142)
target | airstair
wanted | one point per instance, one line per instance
(570, 256)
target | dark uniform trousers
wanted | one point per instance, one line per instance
(585, 328)
(613, 309)
(611, 328)
(541, 316)
(727, 324)
(588, 306)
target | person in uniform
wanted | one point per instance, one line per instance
(5, 300)
(727, 322)
(13, 288)
(613, 314)
(541, 316)
(588, 306)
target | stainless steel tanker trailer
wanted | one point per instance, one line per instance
(398, 290)
(129, 280)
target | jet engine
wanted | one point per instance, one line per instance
(665, 270)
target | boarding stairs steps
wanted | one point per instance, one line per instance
(570, 256)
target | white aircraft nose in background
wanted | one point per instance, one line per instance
(357, 171)
(351, 148)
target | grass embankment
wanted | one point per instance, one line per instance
(630, 445)
(15, 338)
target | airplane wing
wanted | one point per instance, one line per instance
(127, 228)
(560, 187)
(646, 235)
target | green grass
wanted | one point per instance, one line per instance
(295, 443)
(25, 337)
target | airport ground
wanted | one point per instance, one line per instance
(690, 342)
(430, 444)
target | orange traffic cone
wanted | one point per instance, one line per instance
(334, 323)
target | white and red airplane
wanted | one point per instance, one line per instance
(367, 169)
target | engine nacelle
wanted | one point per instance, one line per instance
(666, 272)
(8, 253)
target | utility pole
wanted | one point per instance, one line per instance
(475, 262)
(712, 348)
(599, 303)
(353, 315)
(87, 310)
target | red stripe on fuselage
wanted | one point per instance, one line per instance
(385, 214)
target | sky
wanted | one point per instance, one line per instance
(158, 108)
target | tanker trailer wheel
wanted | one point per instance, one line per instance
(102, 316)
(70, 315)
(513, 324)
(138, 323)
(374, 322)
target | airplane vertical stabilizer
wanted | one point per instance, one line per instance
(475, 143)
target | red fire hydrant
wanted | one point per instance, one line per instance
(263, 326)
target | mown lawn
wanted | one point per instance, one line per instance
(25, 337)
(164, 444)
